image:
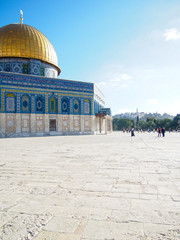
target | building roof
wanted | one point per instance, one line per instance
(24, 41)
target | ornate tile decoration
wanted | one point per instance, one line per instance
(25, 103)
(53, 105)
(10, 103)
(28, 66)
(65, 105)
(40, 104)
(17, 67)
(71, 97)
(87, 106)
(76, 106)
(32, 106)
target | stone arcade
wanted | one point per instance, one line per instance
(33, 100)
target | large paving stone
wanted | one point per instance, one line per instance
(47, 235)
(103, 187)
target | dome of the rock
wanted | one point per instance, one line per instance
(26, 42)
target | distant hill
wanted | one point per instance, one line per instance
(143, 115)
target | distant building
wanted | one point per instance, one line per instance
(129, 115)
(142, 115)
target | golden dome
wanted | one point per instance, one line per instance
(24, 41)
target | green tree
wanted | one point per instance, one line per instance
(142, 125)
(176, 122)
(137, 120)
(150, 122)
(159, 123)
(115, 124)
(167, 123)
(119, 124)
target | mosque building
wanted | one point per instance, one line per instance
(33, 100)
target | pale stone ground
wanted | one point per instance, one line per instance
(90, 187)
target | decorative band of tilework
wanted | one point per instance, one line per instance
(32, 104)
(18, 103)
(25, 104)
(46, 103)
(45, 83)
(59, 104)
(71, 110)
(28, 66)
(0, 100)
(10, 102)
(82, 105)
(29, 101)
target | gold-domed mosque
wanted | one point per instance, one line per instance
(33, 100)
(21, 41)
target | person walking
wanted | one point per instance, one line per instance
(159, 132)
(163, 132)
(132, 132)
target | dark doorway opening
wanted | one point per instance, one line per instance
(52, 125)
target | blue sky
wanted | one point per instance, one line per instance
(130, 49)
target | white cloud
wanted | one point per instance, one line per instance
(172, 108)
(120, 77)
(125, 85)
(171, 34)
(125, 76)
(152, 101)
(100, 84)
(115, 79)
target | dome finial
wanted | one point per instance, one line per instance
(21, 18)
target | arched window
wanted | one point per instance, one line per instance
(53, 104)
(25, 104)
(10, 102)
(87, 109)
(65, 105)
(40, 104)
(76, 106)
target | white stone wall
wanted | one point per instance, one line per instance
(17, 124)
(103, 125)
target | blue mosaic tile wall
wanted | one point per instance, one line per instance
(28, 66)
(34, 94)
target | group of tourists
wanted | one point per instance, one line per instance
(161, 131)
(129, 131)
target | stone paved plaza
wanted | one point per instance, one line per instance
(103, 187)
